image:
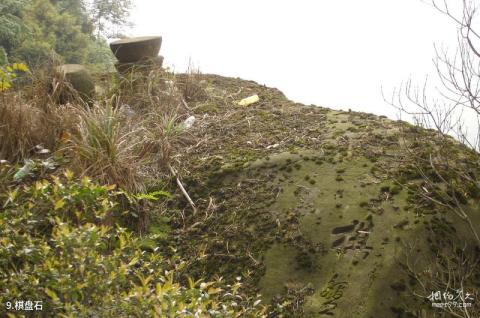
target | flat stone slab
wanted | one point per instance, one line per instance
(130, 50)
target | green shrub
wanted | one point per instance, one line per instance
(56, 248)
(3, 56)
(8, 74)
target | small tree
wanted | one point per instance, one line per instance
(12, 25)
(459, 75)
(448, 177)
(3, 56)
(109, 16)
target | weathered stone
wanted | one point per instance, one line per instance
(142, 66)
(79, 79)
(136, 49)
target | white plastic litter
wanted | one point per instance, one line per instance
(189, 122)
(40, 150)
(249, 100)
(273, 146)
(24, 171)
(127, 110)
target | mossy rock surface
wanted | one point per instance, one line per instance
(130, 50)
(341, 250)
(78, 77)
(308, 205)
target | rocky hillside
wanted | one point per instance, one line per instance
(320, 210)
(166, 195)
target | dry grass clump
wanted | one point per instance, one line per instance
(24, 126)
(107, 146)
(166, 135)
(19, 129)
(129, 136)
(29, 117)
(189, 85)
(142, 90)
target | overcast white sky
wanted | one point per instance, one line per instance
(332, 53)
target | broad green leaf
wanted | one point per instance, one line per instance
(59, 204)
(68, 174)
(51, 294)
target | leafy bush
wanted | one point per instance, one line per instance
(3, 56)
(12, 27)
(56, 247)
(33, 30)
(9, 73)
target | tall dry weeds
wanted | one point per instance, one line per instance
(107, 146)
(24, 125)
(129, 137)
(189, 84)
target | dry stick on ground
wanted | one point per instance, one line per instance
(182, 188)
(184, 103)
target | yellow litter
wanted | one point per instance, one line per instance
(249, 100)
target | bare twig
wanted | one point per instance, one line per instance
(182, 188)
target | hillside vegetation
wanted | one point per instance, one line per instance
(274, 209)
(69, 31)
